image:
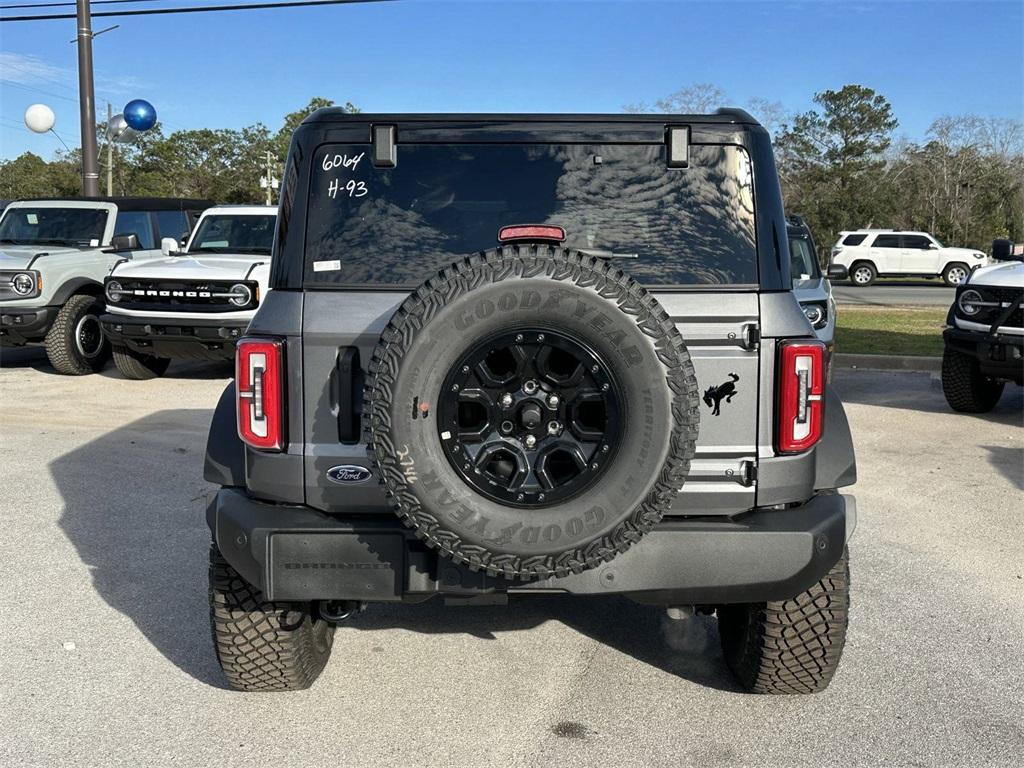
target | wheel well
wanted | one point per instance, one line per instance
(858, 262)
(949, 264)
(77, 287)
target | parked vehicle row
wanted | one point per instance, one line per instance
(90, 276)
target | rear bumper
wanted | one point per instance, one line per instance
(999, 356)
(202, 338)
(297, 553)
(25, 325)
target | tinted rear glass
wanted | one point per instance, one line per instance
(854, 239)
(397, 226)
(887, 241)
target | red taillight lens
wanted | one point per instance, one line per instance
(531, 232)
(259, 381)
(801, 395)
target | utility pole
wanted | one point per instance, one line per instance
(87, 101)
(268, 182)
(110, 153)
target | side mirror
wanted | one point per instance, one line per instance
(169, 245)
(933, 246)
(837, 272)
(128, 242)
(1004, 250)
(184, 239)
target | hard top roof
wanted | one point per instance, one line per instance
(724, 116)
(130, 203)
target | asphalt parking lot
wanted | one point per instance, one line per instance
(105, 656)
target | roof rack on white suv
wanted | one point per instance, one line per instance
(873, 253)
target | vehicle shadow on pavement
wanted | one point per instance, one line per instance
(918, 391)
(35, 358)
(688, 649)
(1009, 462)
(134, 509)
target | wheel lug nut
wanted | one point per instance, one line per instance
(604, 449)
(540, 497)
(554, 427)
(519, 337)
(540, 337)
(465, 369)
(594, 369)
(529, 387)
(506, 400)
(455, 387)
(530, 441)
(604, 387)
(553, 401)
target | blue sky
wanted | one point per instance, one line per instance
(234, 69)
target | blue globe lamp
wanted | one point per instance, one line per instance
(139, 114)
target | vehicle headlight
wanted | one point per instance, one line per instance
(114, 291)
(816, 314)
(24, 284)
(970, 302)
(241, 295)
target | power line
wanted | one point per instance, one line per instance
(193, 9)
(94, 2)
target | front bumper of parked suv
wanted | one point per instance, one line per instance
(999, 355)
(298, 553)
(206, 338)
(24, 325)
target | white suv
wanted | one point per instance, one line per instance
(871, 253)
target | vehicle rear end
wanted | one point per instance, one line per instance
(348, 484)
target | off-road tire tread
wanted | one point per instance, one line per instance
(789, 646)
(137, 365)
(262, 645)
(60, 342)
(524, 261)
(966, 388)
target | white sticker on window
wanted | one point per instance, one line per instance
(32, 218)
(327, 266)
(94, 243)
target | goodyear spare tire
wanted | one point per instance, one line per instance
(532, 411)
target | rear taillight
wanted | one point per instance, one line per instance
(259, 381)
(801, 395)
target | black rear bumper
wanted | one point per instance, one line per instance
(25, 325)
(205, 339)
(297, 553)
(999, 355)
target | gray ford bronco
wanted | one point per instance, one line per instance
(510, 355)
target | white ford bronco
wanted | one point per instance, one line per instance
(54, 255)
(985, 333)
(193, 304)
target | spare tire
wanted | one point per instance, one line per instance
(532, 411)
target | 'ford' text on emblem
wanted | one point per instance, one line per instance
(349, 473)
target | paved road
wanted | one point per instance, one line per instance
(105, 658)
(896, 293)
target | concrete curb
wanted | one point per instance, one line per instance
(888, 362)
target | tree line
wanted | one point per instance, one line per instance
(841, 165)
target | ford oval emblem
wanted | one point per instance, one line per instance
(349, 473)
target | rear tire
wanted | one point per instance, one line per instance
(789, 646)
(863, 274)
(966, 388)
(138, 365)
(263, 645)
(75, 343)
(954, 274)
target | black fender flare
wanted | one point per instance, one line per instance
(76, 285)
(225, 451)
(835, 465)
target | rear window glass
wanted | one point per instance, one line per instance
(396, 226)
(853, 239)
